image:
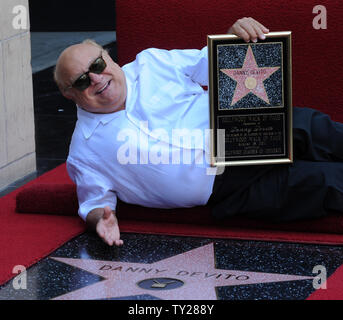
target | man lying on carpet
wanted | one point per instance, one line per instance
(131, 110)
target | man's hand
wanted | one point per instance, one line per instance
(248, 29)
(108, 228)
(105, 223)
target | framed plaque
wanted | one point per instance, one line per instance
(250, 92)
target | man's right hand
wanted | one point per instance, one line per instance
(105, 223)
(248, 29)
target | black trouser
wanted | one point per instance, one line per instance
(309, 188)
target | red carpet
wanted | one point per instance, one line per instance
(25, 239)
(50, 219)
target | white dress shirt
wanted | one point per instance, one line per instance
(140, 154)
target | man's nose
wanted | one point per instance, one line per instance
(95, 78)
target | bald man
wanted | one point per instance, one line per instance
(106, 92)
(162, 90)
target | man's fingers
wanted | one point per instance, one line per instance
(104, 234)
(107, 238)
(258, 32)
(240, 32)
(111, 241)
(119, 242)
(111, 238)
(249, 29)
(116, 234)
(262, 27)
(248, 25)
(107, 212)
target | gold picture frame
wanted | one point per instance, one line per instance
(250, 93)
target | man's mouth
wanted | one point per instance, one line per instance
(104, 87)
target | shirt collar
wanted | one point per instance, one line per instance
(89, 121)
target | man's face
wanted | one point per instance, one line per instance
(107, 90)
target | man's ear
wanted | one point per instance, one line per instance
(68, 94)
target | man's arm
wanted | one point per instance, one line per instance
(92, 188)
(104, 222)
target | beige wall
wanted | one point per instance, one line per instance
(17, 144)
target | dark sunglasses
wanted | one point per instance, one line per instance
(84, 81)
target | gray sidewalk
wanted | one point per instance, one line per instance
(46, 46)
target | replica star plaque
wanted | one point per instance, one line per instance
(250, 93)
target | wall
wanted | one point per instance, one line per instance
(17, 143)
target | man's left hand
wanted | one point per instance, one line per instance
(248, 29)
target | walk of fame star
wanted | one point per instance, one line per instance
(191, 275)
(250, 78)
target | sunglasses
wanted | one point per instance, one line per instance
(84, 81)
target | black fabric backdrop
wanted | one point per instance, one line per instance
(72, 15)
